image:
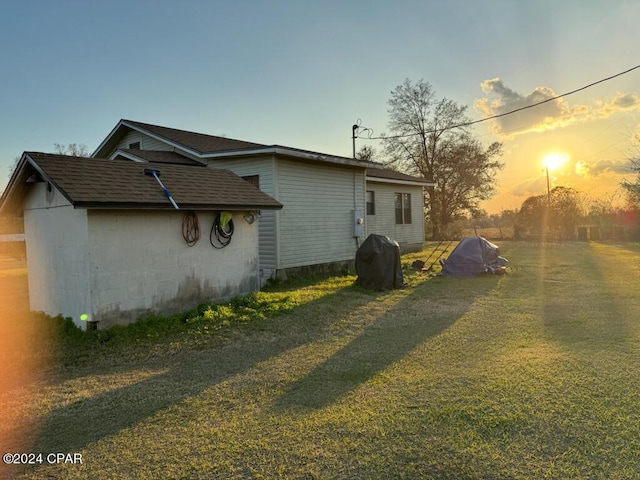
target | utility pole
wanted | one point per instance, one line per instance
(548, 190)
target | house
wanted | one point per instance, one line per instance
(330, 203)
(105, 243)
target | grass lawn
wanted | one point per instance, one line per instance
(530, 375)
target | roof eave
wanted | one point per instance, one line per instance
(90, 205)
(15, 182)
(12, 186)
(290, 152)
(120, 153)
(132, 126)
(416, 183)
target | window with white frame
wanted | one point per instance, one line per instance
(371, 202)
(403, 208)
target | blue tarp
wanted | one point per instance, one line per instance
(473, 256)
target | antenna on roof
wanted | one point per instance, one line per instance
(155, 174)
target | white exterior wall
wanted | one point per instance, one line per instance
(115, 266)
(57, 249)
(264, 167)
(316, 224)
(140, 262)
(384, 220)
(146, 142)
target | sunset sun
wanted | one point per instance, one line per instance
(554, 161)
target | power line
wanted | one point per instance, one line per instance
(493, 117)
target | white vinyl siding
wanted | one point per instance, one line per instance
(146, 142)
(264, 168)
(384, 221)
(317, 222)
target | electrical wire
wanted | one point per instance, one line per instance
(493, 117)
(222, 234)
(190, 228)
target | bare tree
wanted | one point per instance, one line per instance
(367, 153)
(632, 187)
(73, 149)
(426, 140)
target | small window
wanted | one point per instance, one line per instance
(371, 202)
(134, 146)
(403, 208)
(253, 180)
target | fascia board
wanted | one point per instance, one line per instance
(168, 207)
(13, 182)
(42, 173)
(127, 155)
(107, 138)
(288, 152)
(160, 138)
(399, 182)
(138, 129)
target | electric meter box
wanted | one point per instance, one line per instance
(358, 223)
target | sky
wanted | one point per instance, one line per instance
(301, 73)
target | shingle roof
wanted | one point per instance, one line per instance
(386, 173)
(196, 141)
(207, 147)
(158, 156)
(101, 183)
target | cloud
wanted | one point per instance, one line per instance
(620, 102)
(532, 186)
(554, 113)
(600, 167)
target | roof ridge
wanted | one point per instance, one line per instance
(189, 132)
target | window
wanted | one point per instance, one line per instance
(253, 180)
(371, 202)
(134, 146)
(403, 208)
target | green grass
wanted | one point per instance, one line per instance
(533, 374)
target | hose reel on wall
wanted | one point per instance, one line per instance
(190, 228)
(220, 234)
(222, 229)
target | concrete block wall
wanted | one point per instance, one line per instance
(139, 263)
(57, 249)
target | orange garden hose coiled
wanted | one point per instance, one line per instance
(190, 228)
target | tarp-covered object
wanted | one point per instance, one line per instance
(378, 264)
(473, 256)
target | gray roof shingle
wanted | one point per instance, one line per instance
(101, 183)
(196, 141)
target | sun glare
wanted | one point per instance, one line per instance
(555, 160)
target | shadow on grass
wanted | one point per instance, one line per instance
(187, 374)
(432, 308)
(581, 306)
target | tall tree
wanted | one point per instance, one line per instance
(558, 214)
(632, 188)
(425, 140)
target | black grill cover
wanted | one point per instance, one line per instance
(378, 264)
